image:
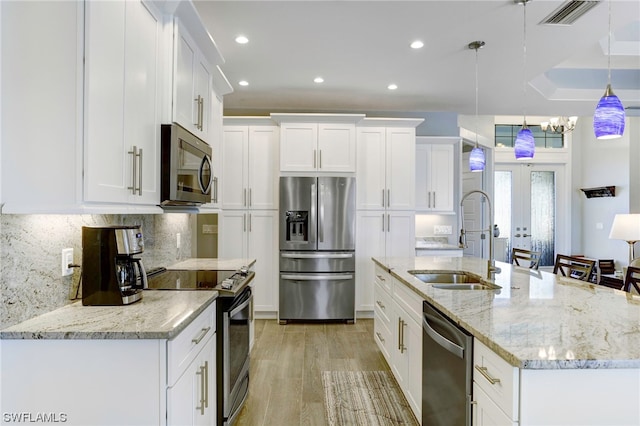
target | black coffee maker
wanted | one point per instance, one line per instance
(111, 275)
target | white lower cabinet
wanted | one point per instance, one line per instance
(398, 333)
(380, 234)
(192, 399)
(254, 234)
(110, 381)
(506, 395)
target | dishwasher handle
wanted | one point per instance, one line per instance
(447, 344)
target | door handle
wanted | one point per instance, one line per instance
(485, 373)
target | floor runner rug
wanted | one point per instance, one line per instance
(366, 398)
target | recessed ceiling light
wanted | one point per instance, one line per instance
(392, 86)
(417, 44)
(242, 39)
(318, 80)
(243, 83)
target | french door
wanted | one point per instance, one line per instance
(528, 198)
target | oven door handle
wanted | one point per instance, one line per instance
(316, 277)
(240, 307)
(317, 255)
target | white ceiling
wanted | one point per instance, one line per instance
(359, 47)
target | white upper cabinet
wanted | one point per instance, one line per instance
(191, 84)
(250, 164)
(317, 143)
(386, 164)
(123, 95)
(435, 174)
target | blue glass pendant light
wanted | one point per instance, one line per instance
(608, 119)
(476, 157)
(524, 145)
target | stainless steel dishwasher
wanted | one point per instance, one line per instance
(447, 357)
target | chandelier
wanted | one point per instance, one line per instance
(559, 125)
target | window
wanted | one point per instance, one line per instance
(506, 136)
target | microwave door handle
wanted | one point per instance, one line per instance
(203, 188)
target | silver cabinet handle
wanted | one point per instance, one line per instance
(244, 197)
(136, 161)
(383, 198)
(140, 172)
(434, 199)
(388, 198)
(201, 119)
(250, 203)
(388, 223)
(382, 222)
(320, 159)
(206, 384)
(400, 335)
(201, 373)
(244, 222)
(215, 189)
(379, 303)
(314, 158)
(380, 336)
(249, 222)
(203, 333)
(485, 373)
(380, 277)
(403, 348)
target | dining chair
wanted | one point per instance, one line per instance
(632, 279)
(526, 258)
(574, 267)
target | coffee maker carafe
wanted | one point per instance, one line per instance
(111, 275)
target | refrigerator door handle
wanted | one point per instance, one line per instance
(316, 277)
(317, 255)
(321, 214)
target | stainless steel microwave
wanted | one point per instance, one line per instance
(186, 168)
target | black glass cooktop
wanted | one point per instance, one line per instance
(223, 281)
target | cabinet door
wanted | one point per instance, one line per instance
(232, 226)
(234, 169)
(412, 339)
(336, 147)
(400, 168)
(192, 400)
(400, 234)
(423, 190)
(298, 147)
(108, 166)
(216, 132)
(263, 246)
(262, 167)
(143, 97)
(370, 242)
(122, 102)
(441, 177)
(371, 170)
(185, 58)
(486, 412)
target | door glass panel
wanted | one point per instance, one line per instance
(543, 215)
(502, 215)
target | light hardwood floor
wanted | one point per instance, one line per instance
(285, 386)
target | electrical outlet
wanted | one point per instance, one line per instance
(442, 230)
(67, 259)
(178, 240)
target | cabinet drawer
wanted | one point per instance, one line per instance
(383, 337)
(384, 279)
(488, 367)
(382, 304)
(486, 412)
(183, 348)
(408, 301)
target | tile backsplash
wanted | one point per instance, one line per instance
(31, 248)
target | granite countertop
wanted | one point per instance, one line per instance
(211, 264)
(537, 320)
(435, 243)
(159, 315)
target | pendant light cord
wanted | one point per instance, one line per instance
(609, 47)
(476, 97)
(524, 63)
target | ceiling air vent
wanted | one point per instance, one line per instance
(569, 12)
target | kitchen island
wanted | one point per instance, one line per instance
(151, 362)
(570, 349)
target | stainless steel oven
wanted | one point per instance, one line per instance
(236, 319)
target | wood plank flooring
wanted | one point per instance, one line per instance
(285, 386)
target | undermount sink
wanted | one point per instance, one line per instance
(453, 280)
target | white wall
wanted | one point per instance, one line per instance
(603, 163)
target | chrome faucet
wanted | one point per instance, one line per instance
(463, 233)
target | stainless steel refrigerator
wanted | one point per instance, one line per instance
(317, 248)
